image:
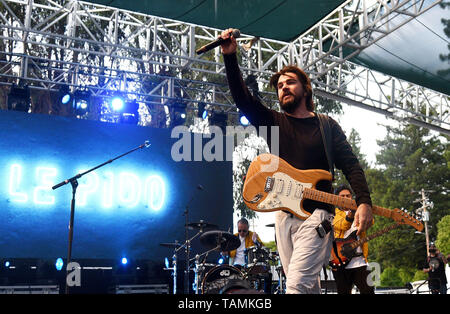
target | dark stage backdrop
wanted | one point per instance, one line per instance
(125, 209)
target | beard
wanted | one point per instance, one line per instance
(291, 104)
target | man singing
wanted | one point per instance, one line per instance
(302, 251)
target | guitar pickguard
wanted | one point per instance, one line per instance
(283, 191)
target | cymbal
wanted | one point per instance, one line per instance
(174, 245)
(222, 239)
(270, 225)
(202, 225)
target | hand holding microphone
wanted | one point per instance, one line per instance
(227, 40)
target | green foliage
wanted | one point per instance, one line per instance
(238, 182)
(271, 245)
(390, 277)
(410, 159)
(355, 142)
(406, 275)
(443, 235)
(399, 277)
(419, 275)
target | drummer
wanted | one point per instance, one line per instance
(248, 239)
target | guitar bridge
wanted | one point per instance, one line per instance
(256, 199)
(270, 181)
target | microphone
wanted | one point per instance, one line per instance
(216, 43)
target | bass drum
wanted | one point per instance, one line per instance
(218, 277)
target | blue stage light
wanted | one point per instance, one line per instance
(59, 264)
(244, 121)
(124, 261)
(166, 262)
(65, 99)
(117, 104)
(81, 102)
(220, 261)
(7, 263)
(64, 94)
(201, 111)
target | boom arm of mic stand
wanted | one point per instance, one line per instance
(146, 144)
(74, 182)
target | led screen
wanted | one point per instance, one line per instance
(124, 208)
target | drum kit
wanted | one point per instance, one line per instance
(261, 265)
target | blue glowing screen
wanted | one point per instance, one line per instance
(125, 208)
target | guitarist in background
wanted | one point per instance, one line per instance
(355, 272)
(304, 246)
(435, 267)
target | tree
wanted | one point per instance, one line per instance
(354, 140)
(443, 235)
(390, 277)
(410, 159)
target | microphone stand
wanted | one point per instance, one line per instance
(74, 182)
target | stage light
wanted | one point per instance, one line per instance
(124, 261)
(201, 112)
(178, 116)
(19, 98)
(65, 99)
(7, 264)
(166, 262)
(81, 102)
(59, 264)
(117, 104)
(64, 95)
(243, 120)
(220, 261)
(130, 112)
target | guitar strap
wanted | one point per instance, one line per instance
(325, 130)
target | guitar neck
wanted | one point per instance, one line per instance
(342, 202)
(374, 235)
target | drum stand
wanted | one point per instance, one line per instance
(187, 246)
(280, 288)
(196, 283)
(174, 271)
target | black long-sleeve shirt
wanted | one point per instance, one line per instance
(300, 139)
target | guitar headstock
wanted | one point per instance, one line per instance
(403, 217)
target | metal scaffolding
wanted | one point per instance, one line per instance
(49, 43)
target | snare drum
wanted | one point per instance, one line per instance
(257, 260)
(218, 277)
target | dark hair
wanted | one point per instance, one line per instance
(243, 221)
(302, 77)
(341, 188)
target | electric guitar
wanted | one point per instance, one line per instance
(345, 248)
(273, 184)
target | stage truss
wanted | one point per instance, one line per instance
(47, 44)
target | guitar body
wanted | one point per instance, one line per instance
(273, 184)
(344, 251)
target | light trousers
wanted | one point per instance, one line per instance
(302, 252)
